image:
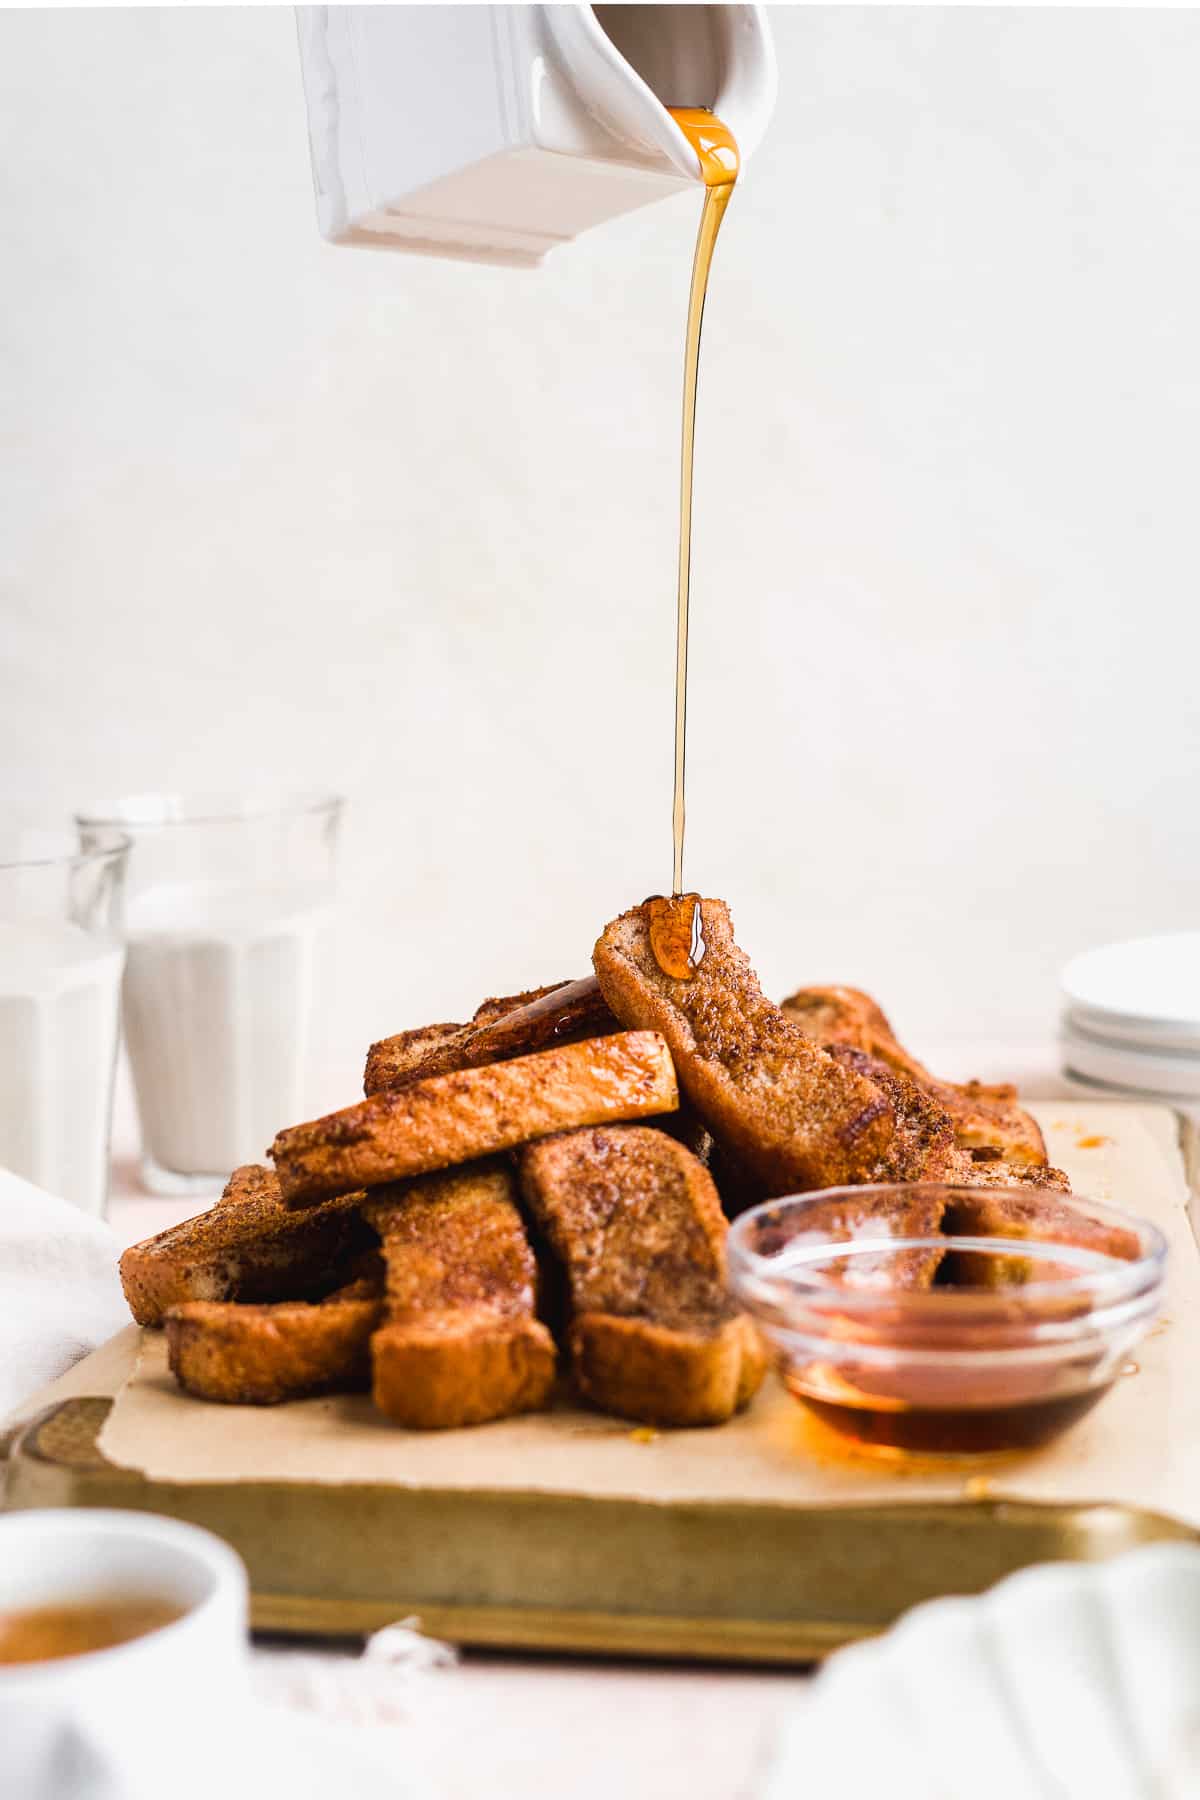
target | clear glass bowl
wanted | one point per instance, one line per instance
(932, 1319)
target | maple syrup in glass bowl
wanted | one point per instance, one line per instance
(940, 1320)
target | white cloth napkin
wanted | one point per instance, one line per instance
(312, 1727)
(60, 1296)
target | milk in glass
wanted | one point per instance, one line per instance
(224, 992)
(59, 988)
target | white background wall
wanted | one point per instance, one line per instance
(279, 511)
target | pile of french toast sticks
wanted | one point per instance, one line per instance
(493, 1219)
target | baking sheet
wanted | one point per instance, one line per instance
(1140, 1446)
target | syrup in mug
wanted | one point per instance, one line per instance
(676, 937)
(44, 1633)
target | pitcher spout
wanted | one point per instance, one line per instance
(496, 133)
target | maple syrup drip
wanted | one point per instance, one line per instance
(676, 933)
(717, 150)
(950, 1430)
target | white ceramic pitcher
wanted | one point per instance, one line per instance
(495, 133)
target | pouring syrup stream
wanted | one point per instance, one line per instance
(716, 148)
(675, 930)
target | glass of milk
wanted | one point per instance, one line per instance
(228, 937)
(60, 982)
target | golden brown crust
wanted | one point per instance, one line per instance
(923, 1146)
(448, 1370)
(455, 1239)
(261, 1355)
(983, 1116)
(790, 1113)
(662, 1375)
(635, 1220)
(248, 1247)
(633, 1217)
(520, 1025)
(1038, 1214)
(846, 1218)
(461, 1344)
(253, 1184)
(987, 1117)
(994, 1173)
(399, 1058)
(394, 1060)
(443, 1120)
(998, 1212)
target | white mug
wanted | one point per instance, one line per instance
(149, 1716)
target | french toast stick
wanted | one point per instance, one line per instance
(399, 1058)
(497, 1005)
(520, 1025)
(923, 1146)
(983, 1116)
(854, 1216)
(248, 1247)
(937, 1210)
(259, 1355)
(443, 1120)
(993, 1172)
(394, 1060)
(792, 1114)
(460, 1344)
(995, 1210)
(635, 1220)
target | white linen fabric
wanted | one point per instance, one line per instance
(1066, 1681)
(251, 1752)
(309, 1726)
(60, 1296)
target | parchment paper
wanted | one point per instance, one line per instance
(1141, 1444)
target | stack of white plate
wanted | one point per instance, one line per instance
(1131, 1016)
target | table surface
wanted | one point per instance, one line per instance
(539, 1727)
